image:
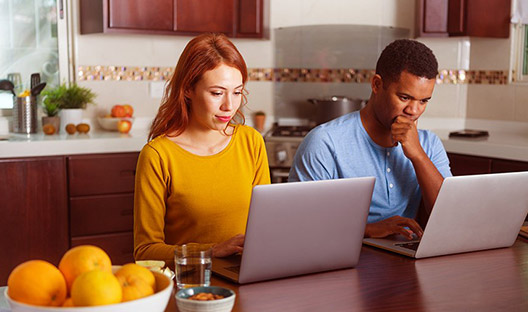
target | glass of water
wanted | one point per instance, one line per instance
(193, 265)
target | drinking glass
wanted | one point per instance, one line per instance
(193, 265)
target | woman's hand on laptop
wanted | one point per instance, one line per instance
(231, 246)
(393, 225)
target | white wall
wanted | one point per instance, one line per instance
(149, 50)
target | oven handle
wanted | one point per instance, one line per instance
(280, 174)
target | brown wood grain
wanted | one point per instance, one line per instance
(33, 211)
(492, 280)
(98, 174)
(140, 14)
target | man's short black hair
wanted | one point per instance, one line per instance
(409, 55)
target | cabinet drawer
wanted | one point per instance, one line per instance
(101, 174)
(119, 246)
(499, 165)
(101, 214)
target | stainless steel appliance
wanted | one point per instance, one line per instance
(332, 107)
(282, 142)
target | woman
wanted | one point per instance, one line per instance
(195, 176)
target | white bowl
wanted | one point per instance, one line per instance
(153, 303)
(110, 123)
(218, 305)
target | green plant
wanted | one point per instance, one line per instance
(65, 96)
(51, 106)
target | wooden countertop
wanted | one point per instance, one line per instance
(492, 280)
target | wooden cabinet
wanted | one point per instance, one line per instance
(490, 18)
(34, 211)
(101, 202)
(467, 165)
(235, 18)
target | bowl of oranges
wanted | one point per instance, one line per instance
(85, 280)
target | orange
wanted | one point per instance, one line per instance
(134, 287)
(68, 302)
(132, 269)
(95, 288)
(82, 259)
(37, 282)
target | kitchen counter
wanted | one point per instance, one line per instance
(19, 145)
(507, 140)
(95, 142)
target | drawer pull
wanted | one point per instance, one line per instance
(127, 212)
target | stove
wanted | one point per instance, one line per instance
(282, 142)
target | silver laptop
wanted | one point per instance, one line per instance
(471, 213)
(300, 228)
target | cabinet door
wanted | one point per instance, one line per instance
(250, 18)
(91, 215)
(118, 246)
(466, 165)
(194, 16)
(490, 18)
(500, 165)
(432, 18)
(33, 210)
(141, 14)
(102, 174)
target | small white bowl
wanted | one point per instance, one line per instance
(153, 303)
(219, 305)
(110, 123)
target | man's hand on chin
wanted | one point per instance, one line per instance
(405, 132)
(393, 225)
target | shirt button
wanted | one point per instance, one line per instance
(388, 169)
(388, 153)
(391, 185)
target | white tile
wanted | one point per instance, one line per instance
(494, 102)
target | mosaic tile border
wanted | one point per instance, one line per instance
(344, 75)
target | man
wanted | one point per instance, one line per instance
(382, 140)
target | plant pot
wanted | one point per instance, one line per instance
(70, 116)
(260, 120)
(54, 120)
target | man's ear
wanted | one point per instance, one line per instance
(376, 83)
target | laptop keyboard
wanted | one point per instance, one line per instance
(235, 268)
(412, 245)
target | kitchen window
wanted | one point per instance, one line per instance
(34, 40)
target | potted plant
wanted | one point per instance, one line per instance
(71, 100)
(51, 107)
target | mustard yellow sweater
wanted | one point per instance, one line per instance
(181, 197)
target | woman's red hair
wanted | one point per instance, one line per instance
(203, 53)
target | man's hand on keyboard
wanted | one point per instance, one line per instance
(394, 225)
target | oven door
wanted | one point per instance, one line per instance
(279, 175)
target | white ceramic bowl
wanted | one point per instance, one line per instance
(153, 303)
(218, 305)
(110, 123)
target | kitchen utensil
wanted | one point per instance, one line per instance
(35, 90)
(35, 80)
(7, 85)
(25, 115)
(333, 107)
(16, 79)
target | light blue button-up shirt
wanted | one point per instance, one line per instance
(342, 148)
